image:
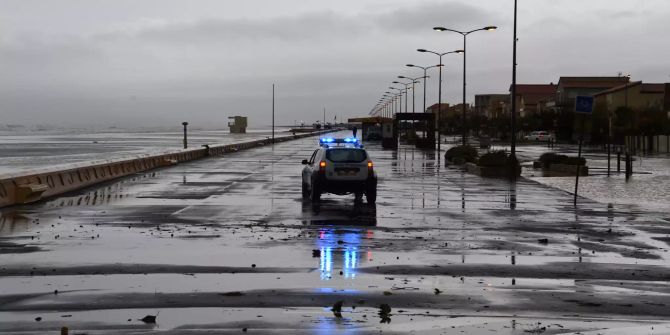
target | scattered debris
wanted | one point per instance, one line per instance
(543, 241)
(385, 313)
(149, 318)
(537, 329)
(316, 253)
(38, 319)
(337, 309)
(437, 291)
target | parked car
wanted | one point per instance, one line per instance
(339, 166)
(540, 135)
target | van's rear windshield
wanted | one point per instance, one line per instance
(347, 155)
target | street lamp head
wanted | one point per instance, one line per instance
(421, 50)
(410, 65)
(459, 51)
(402, 77)
(490, 28)
(439, 28)
(396, 82)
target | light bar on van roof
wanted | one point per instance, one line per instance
(329, 141)
(338, 140)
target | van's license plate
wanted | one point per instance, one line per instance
(347, 172)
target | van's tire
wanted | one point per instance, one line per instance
(371, 195)
(305, 191)
(315, 194)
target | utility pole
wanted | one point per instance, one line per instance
(273, 113)
(513, 125)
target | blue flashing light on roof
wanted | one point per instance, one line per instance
(329, 141)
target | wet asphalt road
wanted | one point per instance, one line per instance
(226, 244)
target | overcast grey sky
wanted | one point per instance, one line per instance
(159, 62)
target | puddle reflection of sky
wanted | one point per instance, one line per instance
(341, 249)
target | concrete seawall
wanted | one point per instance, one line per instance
(33, 186)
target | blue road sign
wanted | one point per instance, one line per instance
(584, 104)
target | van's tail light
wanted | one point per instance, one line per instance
(322, 166)
(370, 167)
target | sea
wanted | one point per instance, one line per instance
(25, 149)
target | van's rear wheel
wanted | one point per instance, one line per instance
(371, 195)
(305, 191)
(315, 194)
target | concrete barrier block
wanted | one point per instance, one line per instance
(33, 187)
(27, 193)
(6, 193)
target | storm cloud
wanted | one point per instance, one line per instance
(156, 63)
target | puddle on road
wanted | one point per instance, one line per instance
(322, 321)
(426, 215)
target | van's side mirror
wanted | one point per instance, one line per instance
(305, 162)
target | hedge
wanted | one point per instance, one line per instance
(467, 153)
(551, 158)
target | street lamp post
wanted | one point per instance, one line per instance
(392, 102)
(414, 81)
(389, 96)
(465, 34)
(425, 69)
(392, 96)
(400, 97)
(406, 89)
(439, 99)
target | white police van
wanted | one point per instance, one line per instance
(339, 166)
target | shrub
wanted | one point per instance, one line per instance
(551, 158)
(493, 159)
(574, 160)
(501, 161)
(467, 153)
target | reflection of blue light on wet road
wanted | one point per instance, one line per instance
(326, 263)
(350, 263)
(327, 326)
(333, 244)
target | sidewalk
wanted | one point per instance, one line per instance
(646, 190)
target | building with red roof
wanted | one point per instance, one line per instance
(533, 98)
